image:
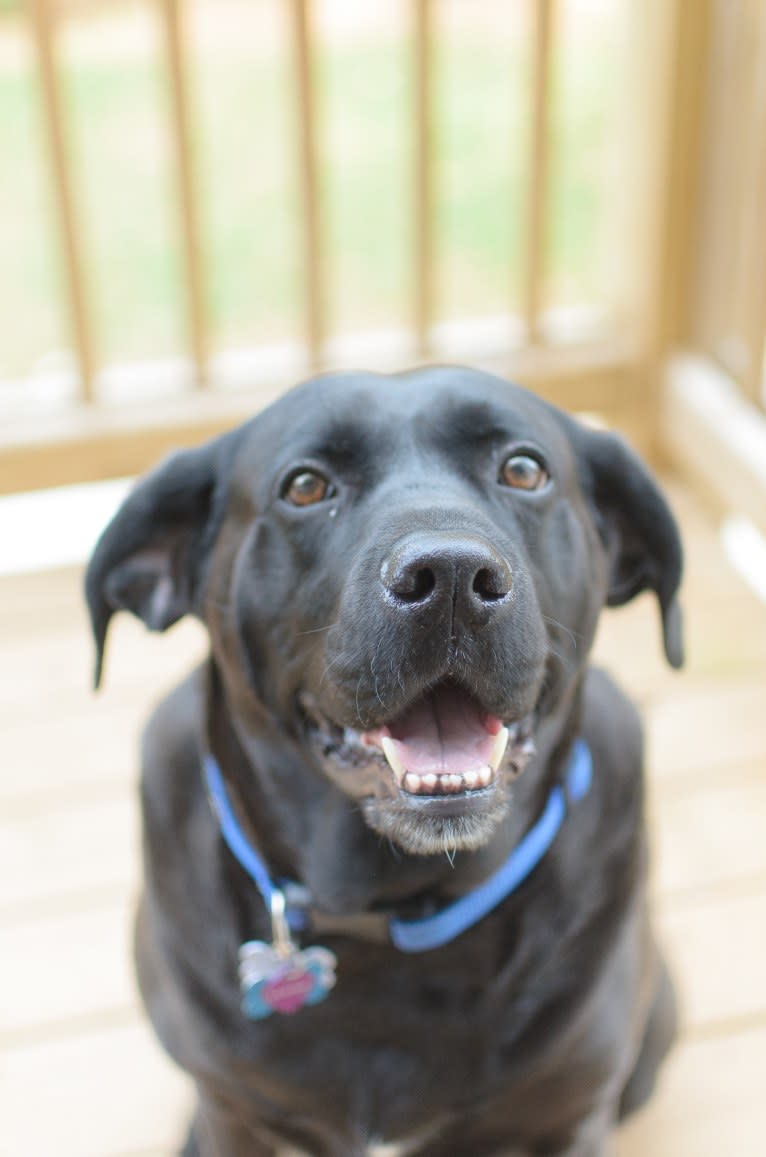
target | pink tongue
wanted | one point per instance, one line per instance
(443, 732)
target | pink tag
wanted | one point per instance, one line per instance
(288, 992)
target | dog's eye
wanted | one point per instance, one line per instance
(306, 488)
(523, 472)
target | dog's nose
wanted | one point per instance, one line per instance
(431, 567)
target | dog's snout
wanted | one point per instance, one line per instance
(424, 568)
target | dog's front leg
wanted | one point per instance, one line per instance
(216, 1132)
(223, 1128)
(593, 1138)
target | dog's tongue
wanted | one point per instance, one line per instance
(444, 732)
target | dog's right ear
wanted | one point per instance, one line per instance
(150, 559)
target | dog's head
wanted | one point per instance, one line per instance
(406, 572)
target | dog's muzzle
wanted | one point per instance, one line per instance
(425, 725)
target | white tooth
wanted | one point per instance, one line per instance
(391, 754)
(412, 782)
(485, 776)
(454, 782)
(429, 781)
(471, 778)
(498, 750)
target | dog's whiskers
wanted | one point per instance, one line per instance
(316, 630)
(572, 634)
(328, 668)
(562, 659)
(374, 674)
(356, 697)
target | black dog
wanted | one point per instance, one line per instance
(401, 578)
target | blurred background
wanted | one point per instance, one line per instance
(203, 201)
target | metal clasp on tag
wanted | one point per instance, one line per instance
(280, 929)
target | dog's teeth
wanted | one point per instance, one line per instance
(391, 754)
(450, 783)
(485, 776)
(498, 749)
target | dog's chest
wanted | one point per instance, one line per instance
(399, 1040)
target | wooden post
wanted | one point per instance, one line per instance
(304, 73)
(44, 29)
(674, 51)
(754, 217)
(537, 205)
(187, 190)
(424, 199)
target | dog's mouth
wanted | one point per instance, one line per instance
(443, 746)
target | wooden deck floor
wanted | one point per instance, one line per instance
(80, 1073)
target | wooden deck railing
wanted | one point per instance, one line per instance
(719, 277)
(45, 24)
(46, 19)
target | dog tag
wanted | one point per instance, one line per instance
(280, 977)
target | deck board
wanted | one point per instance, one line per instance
(81, 1073)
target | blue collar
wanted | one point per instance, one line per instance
(429, 931)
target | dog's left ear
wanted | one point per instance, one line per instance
(150, 559)
(639, 531)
